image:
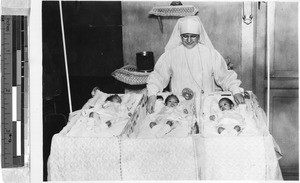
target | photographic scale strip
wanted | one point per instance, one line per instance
(14, 89)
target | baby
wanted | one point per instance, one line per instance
(114, 98)
(228, 119)
(170, 117)
(108, 112)
(171, 101)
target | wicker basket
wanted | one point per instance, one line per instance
(129, 75)
(182, 10)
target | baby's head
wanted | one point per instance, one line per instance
(172, 101)
(152, 124)
(225, 104)
(114, 98)
(159, 97)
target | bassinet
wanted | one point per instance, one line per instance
(72, 157)
(142, 129)
(248, 156)
(89, 121)
(195, 157)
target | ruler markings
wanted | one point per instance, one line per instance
(22, 66)
(23, 57)
(14, 54)
(19, 109)
(14, 139)
(18, 32)
(19, 97)
(18, 86)
(5, 22)
(13, 67)
(22, 131)
(14, 89)
(22, 37)
(14, 103)
(19, 67)
(18, 130)
(18, 103)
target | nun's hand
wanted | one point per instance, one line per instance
(239, 98)
(150, 104)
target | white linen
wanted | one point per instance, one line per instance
(183, 116)
(159, 159)
(253, 115)
(232, 158)
(83, 159)
(195, 157)
(250, 158)
(80, 124)
(191, 158)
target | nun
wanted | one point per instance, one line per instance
(192, 65)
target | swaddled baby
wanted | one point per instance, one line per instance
(108, 114)
(168, 118)
(228, 121)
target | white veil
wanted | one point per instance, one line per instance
(175, 39)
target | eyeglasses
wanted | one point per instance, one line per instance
(191, 36)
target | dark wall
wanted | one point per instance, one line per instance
(93, 34)
(93, 37)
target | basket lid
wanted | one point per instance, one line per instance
(128, 74)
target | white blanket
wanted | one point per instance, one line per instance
(254, 120)
(81, 125)
(190, 158)
(114, 158)
(159, 159)
(237, 158)
(78, 159)
(195, 157)
(182, 126)
(182, 115)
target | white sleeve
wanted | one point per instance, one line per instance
(160, 76)
(225, 78)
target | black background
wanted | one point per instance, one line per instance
(93, 35)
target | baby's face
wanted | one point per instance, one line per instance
(224, 105)
(172, 102)
(116, 100)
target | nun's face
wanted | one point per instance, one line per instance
(189, 40)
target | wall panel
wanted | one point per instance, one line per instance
(284, 125)
(221, 20)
